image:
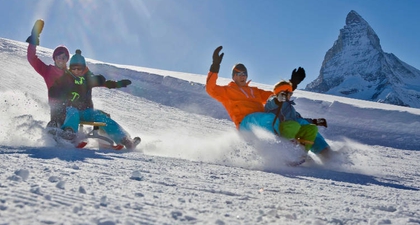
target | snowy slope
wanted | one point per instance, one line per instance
(192, 166)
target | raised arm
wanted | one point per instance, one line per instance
(212, 88)
(33, 41)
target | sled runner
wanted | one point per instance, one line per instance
(296, 163)
(304, 142)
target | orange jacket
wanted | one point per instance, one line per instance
(238, 101)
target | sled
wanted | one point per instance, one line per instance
(62, 142)
(94, 133)
(303, 141)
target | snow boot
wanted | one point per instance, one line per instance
(68, 134)
(52, 127)
(130, 143)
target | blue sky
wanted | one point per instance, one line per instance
(271, 37)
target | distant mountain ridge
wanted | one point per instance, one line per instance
(357, 67)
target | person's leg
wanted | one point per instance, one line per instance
(112, 128)
(306, 135)
(289, 129)
(259, 119)
(57, 114)
(72, 119)
(319, 143)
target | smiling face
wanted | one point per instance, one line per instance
(240, 78)
(61, 60)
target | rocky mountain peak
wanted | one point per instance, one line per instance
(357, 67)
(354, 17)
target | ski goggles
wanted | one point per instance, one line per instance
(284, 95)
(77, 68)
(241, 73)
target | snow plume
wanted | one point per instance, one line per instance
(257, 149)
(227, 148)
(23, 119)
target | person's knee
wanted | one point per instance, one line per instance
(289, 129)
(71, 111)
(311, 129)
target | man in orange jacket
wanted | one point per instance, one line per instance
(244, 103)
(237, 97)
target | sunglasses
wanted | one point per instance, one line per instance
(241, 73)
(77, 68)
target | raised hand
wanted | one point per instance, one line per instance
(217, 59)
(123, 83)
(297, 77)
(36, 31)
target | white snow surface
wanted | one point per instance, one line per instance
(192, 166)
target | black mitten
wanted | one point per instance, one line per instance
(297, 77)
(123, 83)
(320, 122)
(117, 84)
(217, 59)
(36, 31)
(110, 84)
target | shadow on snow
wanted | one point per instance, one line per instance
(339, 176)
(65, 154)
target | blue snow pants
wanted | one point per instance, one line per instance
(112, 128)
(260, 119)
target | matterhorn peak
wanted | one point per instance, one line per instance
(357, 67)
(354, 18)
(356, 24)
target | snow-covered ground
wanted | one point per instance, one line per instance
(192, 167)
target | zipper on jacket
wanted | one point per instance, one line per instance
(243, 91)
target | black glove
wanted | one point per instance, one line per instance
(117, 84)
(123, 83)
(297, 77)
(320, 122)
(110, 84)
(217, 59)
(36, 31)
